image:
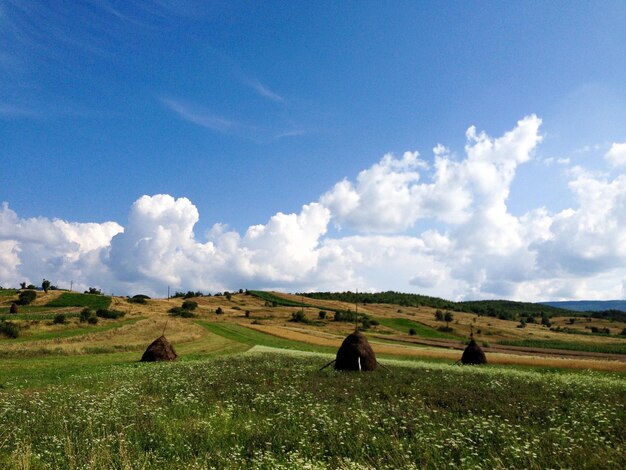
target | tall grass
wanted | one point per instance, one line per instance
(267, 410)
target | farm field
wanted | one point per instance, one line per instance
(247, 392)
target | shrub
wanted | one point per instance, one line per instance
(31, 286)
(94, 291)
(623, 333)
(446, 329)
(86, 314)
(181, 312)
(26, 297)
(138, 299)
(190, 294)
(247, 314)
(227, 295)
(322, 314)
(110, 314)
(13, 308)
(298, 317)
(347, 316)
(59, 319)
(412, 331)
(219, 311)
(439, 315)
(190, 305)
(92, 320)
(9, 329)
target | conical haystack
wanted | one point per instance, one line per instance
(355, 353)
(473, 354)
(159, 350)
(13, 308)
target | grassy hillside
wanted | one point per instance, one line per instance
(68, 299)
(589, 305)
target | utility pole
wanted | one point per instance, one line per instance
(71, 285)
(356, 315)
(168, 292)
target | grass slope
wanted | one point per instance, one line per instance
(492, 308)
(403, 325)
(68, 299)
(85, 329)
(251, 337)
(6, 293)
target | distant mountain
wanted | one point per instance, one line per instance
(589, 305)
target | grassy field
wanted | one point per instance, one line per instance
(404, 325)
(247, 392)
(271, 409)
(569, 345)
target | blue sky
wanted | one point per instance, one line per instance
(249, 109)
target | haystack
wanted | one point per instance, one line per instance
(13, 308)
(355, 353)
(473, 354)
(159, 350)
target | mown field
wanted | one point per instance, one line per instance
(247, 392)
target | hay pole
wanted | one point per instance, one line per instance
(163, 334)
(334, 360)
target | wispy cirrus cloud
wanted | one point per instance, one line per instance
(200, 116)
(204, 117)
(263, 90)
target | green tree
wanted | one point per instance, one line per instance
(45, 285)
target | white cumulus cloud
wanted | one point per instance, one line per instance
(474, 246)
(616, 156)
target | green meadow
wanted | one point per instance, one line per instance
(243, 399)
